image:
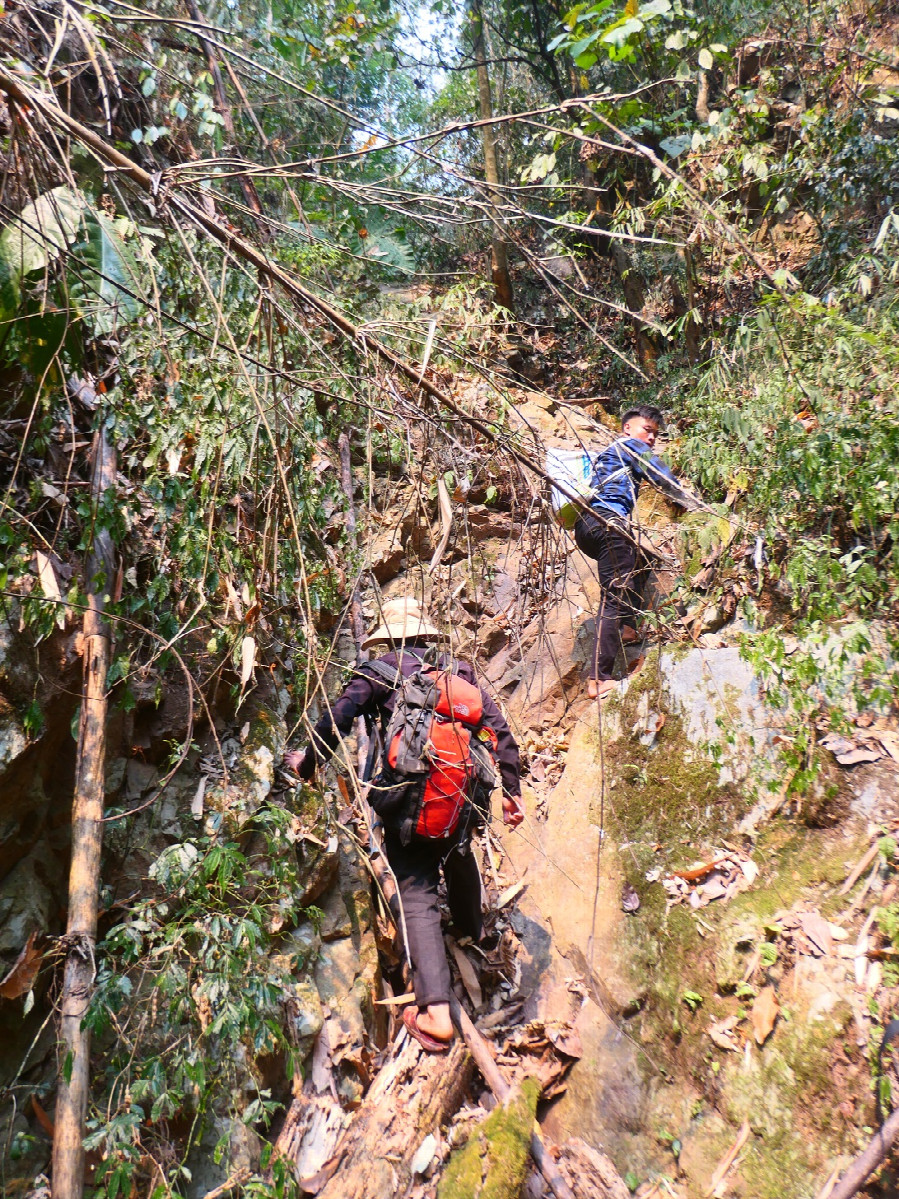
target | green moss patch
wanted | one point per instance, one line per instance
(494, 1161)
(668, 810)
(666, 800)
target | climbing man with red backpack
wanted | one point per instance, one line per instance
(442, 734)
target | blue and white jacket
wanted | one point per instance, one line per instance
(618, 472)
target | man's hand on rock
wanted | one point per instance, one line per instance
(300, 762)
(513, 810)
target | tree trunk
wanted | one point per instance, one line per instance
(413, 1096)
(87, 837)
(635, 297)
(250, 195)
(499, 256)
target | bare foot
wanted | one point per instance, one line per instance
(435, 1020)
(599, 689)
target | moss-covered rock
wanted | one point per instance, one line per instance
(494, 1161)
(239, 796)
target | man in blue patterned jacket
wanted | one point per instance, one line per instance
(607, 536)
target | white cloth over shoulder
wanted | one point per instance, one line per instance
(572, 469)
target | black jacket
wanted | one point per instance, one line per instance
(364, 696)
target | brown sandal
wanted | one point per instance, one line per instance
(425, 1040)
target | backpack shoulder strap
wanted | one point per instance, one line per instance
(391, 676)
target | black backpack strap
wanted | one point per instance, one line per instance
(391, 676)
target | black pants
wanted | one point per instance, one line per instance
(622, 576)
(416, 868)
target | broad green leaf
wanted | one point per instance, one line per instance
(583, 44)
(673, 146)
(107, 277)
(706, 61)
(37, 236)
(617, 34)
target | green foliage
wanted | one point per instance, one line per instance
(64, 259)
(804, 424)
(596, 29)
(187, 984)
(383, 242)
(767, 954)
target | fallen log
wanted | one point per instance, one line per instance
(411, 1099)
(494, 1079)
(496, 1157)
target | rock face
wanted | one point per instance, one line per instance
(686, 750)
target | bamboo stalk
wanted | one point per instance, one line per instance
(498, 250)
(346, 481)
(250, 195)
(87, 840)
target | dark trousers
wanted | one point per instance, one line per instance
(416, 868)
(622, 576)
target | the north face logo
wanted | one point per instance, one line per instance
(461, 709)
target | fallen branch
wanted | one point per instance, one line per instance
(494, 1079)
(237, 1179)
(446, 520)
(866, 1162)
(728, 1160)
(247, 186)
(860, 868)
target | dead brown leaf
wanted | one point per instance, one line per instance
(855, 756)
(817, 930)
(21, 977)
(722, 1033)
(565, 1039)
(697, 872)
(509, 894)
(764, 1014)
(889, 739)
(247, 660)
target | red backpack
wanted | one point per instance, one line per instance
(439, 757)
